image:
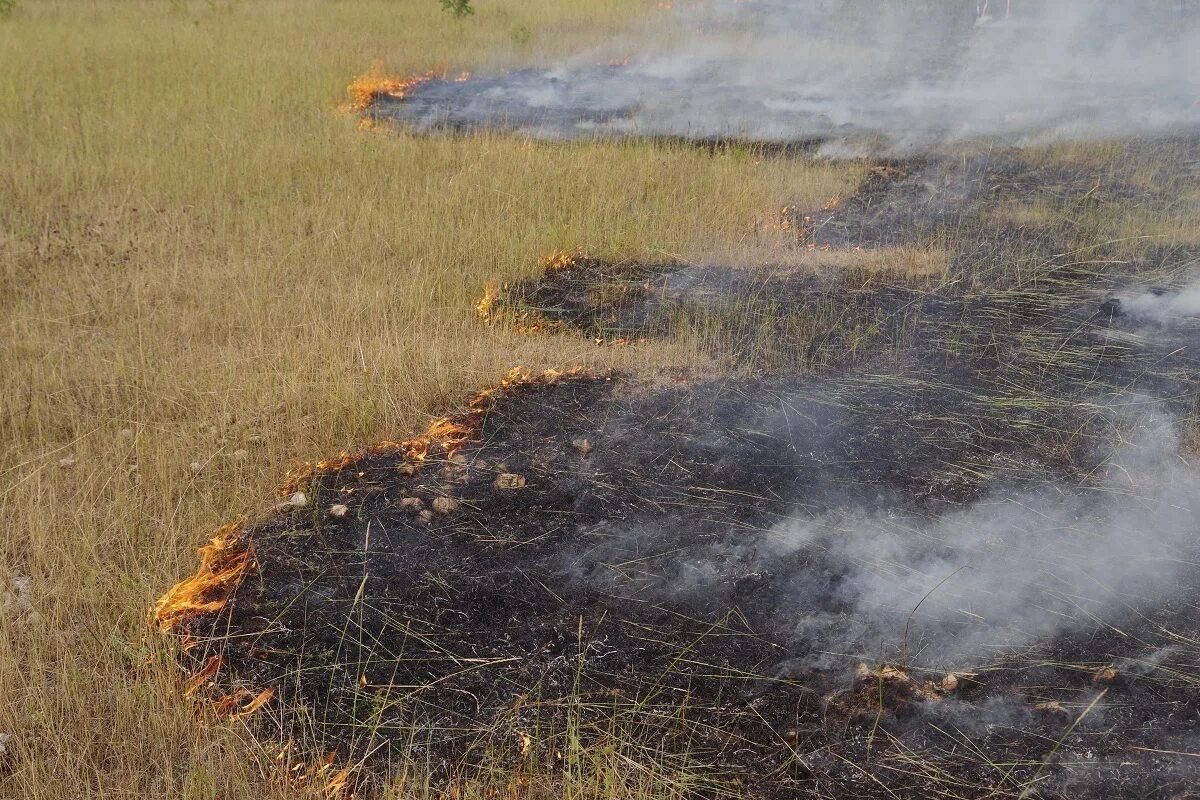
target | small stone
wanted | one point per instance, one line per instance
(452, 473)
(5, 742)
(582, 445)
(458, 458)
(17, 597)
(413, 503)
(509, 480)
(444, 505)
(297, 500)
(66, 462)
(407, 469)
(1051, 707)
(338, 510)
(949, 682)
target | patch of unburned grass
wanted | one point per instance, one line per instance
(915, 262)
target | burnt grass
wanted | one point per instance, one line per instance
(598, 568)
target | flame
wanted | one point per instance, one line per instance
(229, 555)
(531, 321)
(447, 434)
(295, 769)
(223, 561)
(365, 89)
(260, 700)
(339, 783)
(559, 260)
(487, 303)
(203, 676)
(525, 321)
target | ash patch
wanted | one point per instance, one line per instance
(830, 313)
(592, 101)
(958, 561)
(730, 548)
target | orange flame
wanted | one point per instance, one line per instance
(365, 89)
(223, 561)
(203, 676)
(559, 260)
(228, 556)
(445, 433)
(485, 304)
(528, 320)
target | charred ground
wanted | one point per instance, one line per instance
(697, 572)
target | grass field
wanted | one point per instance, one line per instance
(206, 272)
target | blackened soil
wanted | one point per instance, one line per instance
(638, 577)
(780, 317)
(670, 565)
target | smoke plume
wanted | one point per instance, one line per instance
(1012, 569)
(911, 73)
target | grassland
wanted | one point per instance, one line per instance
(206, 272)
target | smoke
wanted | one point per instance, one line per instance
(1162, 307)
(1011, 570)
(913, 73)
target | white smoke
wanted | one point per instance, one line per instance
(1163, 307)
(942, 591)
(1014, 568)
(912, 72)
(919, 70)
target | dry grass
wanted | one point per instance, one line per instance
(1159, 206)
(205, 272)
(906, 262)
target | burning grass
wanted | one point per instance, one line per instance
(631, 591)
(443, 435)
(377, 83)
(224, 561)
(192, 249)
(947, 552)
